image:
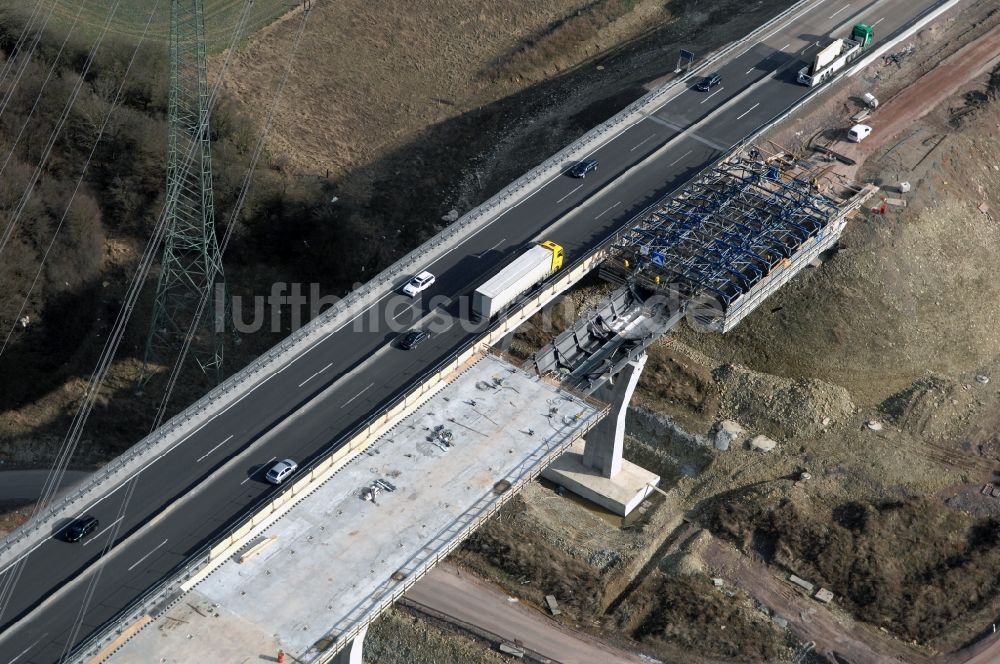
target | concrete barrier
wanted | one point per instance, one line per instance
(185, 424)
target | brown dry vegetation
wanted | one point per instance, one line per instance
(386, 75)
(906, 293)
(912, 566)
(562, 42)
(502, 546)
(675, 379)
(894, 327)
(397, 101)
(14, 513)
(672, 616)
(399, 637)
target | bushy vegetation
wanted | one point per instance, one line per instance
(914, 566)
(287, 224)
(671, 615)
(118, 194)
(563, 38)
(284, 223)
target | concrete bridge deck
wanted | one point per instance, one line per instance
(327, 568)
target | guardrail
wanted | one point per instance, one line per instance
(363, 297)
(252, 375)
(341, 451)
(338, 450)
(201, 559)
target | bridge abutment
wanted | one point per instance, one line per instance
(596, 469)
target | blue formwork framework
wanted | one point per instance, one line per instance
(727, 234)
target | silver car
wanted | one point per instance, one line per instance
(281, 470)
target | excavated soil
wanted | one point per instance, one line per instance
(398, 637)
(876, 376)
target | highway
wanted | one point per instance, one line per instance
(309, 404)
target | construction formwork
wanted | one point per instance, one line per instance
(733, 236)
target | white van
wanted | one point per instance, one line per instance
(858, 133)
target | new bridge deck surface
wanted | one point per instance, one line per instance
(331, 563)
(63, 592)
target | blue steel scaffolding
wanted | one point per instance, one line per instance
(725, 233)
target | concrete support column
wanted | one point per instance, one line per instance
(605, 443)
(504, 344)
(352, 653)
(595, 468)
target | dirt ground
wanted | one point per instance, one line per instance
(533, 76)
(876, 373)
(895, 328)
(399, 637)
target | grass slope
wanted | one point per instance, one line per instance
(130, 18)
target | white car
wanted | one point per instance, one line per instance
(858, 133)
(419, 283)
(281, 470)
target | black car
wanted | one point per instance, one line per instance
(412, 339)
(584, 167)
(709, 82)
(80, 528)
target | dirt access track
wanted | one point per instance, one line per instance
(484, 610)
(831, 629)
(899, 113)
(811, 621)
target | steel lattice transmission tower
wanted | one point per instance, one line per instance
(192, 263)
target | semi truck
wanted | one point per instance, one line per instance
(835, 57)
(531, 267)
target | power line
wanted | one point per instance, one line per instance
(58, 470)
(15, 51)
(23, 62)
(233, 218)
(41, 91)
(204, 299)
(79, 182)
(72, 437)
(67, 109)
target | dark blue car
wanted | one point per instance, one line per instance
(709, 82)
(80, 528)
(412, 339)
(584, 167)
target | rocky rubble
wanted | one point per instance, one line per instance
(780, 406)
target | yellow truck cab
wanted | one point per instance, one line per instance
(557, 254)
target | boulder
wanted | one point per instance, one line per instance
(762, 444)
(727, 432)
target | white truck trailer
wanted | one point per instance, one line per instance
(528, 269)
(835, 57)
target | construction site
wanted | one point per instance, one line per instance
(830, 461)
(764, 429)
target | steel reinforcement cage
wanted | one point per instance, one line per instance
(725, 232)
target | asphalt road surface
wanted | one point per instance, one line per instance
(28, 484)
(59, 592)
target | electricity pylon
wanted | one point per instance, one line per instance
(192, 264)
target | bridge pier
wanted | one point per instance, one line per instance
(596, 469)
(352, 653)
(504, 344)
